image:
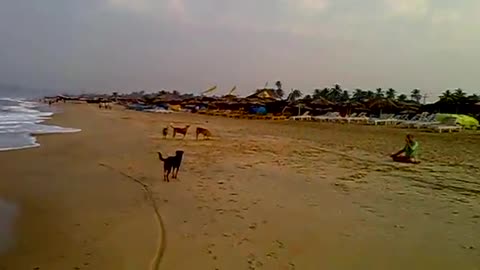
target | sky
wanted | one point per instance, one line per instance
(190, 45)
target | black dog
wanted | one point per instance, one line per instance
(165, 132)
(171, 163)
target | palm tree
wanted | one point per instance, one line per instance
(391, 93)
(359, 95)
(379, 93)
(453, 100)
(294, 95)
(402, 98)
(278, 84)
(369, 94)
(325, 93)
(335, 93)
(473, 98)
(279, 90)
(416, 95)
(447, 97)
(460, 95)
(345, 96)
(279, 93)
(317, 93)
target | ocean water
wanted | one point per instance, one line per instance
(21, 119)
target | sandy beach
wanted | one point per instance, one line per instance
(259, 195)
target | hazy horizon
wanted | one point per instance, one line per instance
(189, 46)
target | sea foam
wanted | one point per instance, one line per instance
(20, 120)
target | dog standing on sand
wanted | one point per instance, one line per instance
(165, 132)
(171, 164)
(203, 131)
(178, 130)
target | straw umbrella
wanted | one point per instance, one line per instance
(382, 104)
(352, 104)
(301, 106)
(321, 101)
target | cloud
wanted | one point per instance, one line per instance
(173, 10)
(130, 5)
(312, 5)
(267, 15)
(178, 9)
(410, 8)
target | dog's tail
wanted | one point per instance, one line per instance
(160, 156)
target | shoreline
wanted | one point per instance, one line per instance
(263, 195)
(28, 122)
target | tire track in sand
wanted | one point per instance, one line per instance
(156, 261)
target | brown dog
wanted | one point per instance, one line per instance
(178, 130)
(205, 132)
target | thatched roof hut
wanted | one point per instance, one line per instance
(266, 93)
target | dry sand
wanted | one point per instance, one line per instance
(260, 195)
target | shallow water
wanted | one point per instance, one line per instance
(21, 119)
(8, 214)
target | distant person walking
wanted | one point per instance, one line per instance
(409, 153)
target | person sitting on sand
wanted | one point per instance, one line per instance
(409, 153)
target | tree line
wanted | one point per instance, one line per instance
(337, 95)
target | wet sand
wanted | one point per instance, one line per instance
(259, 195)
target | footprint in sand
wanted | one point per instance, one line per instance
(253, 262)
(237, 211)
(272, 255)
(280, 244)
(241, 241)
(228, 235)
(210, 248)
(342, 187)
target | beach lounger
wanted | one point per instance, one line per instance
(304, 117)
(343, 119)
(159, 110)
(385, 119)
(361, 118)
(419, 118)
(429, 121)
(449, 125)
(331, 116)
